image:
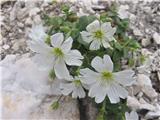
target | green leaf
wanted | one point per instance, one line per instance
(125, 52)
(55, 21)
(64, 29)
(52, 74)
(116, 111)
(118, 46)
(80, 40)
(65, 8)
(84, 21)
(75, 33)
(55, 105)
(131, 62)
(142, 59)
(117, 55)
(48, 40)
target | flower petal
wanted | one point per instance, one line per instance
(116, 92)
(104, 64)
(105, 27)
(108, 30)
(38, 33)
(88, 76)
(94, 26)
(44, 62)
(134, 115)
(102, 94)
(124, 77)
(86, 36)
(78, 92)
(94, 90)
(61, 70)
(121, 91)
(57, 39)
(131, 116)
(66, 88)
(108, 63)
(98, 91)
(74, 57)
(67, 44)
(39, 47)
(98, 64)
(106, 44)
(95, 45)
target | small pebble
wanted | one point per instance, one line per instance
(6, 47)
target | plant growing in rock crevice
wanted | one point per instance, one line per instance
(86, 52)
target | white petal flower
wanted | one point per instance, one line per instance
(73, 86)
(104, 82)
(131, 116)
(98, 34)
(57, 56)
(37, 33)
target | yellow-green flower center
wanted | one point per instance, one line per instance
(57, 52)
(98, 34)
(107, 76)
(77, 82)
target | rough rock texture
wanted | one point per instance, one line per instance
(32, 98)
(144, 24)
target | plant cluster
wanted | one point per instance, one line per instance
(85, 53)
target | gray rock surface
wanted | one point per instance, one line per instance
(28, 94)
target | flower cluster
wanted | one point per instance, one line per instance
(100, 79)
(84, 54)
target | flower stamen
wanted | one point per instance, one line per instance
(57, 52)
(107, 76)
(98, 34)
(77, 82)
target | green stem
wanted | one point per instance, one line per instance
(126, 43)
(59, 98)
(102, 111)
(50, 31)
(104, 105)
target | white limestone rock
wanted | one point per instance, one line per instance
(137, 32)
(155, 62)
(156, 38)
(28, 94)
(6, 47)
(34, 11)
(133, 103)
(136, 104)
(153, 114)
(145, 42)
(123, 11)
(146, 106)
(146, 86)
(158, 74)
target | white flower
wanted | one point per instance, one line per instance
(57, 56)
(131, 116)
(73, 86)
(104, 82)
(37, 33)
(98, 34)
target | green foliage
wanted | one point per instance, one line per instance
(116, 111)
(48, 40)
(52, 75)
(84, 21)
(109, 111)
(55, 105)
